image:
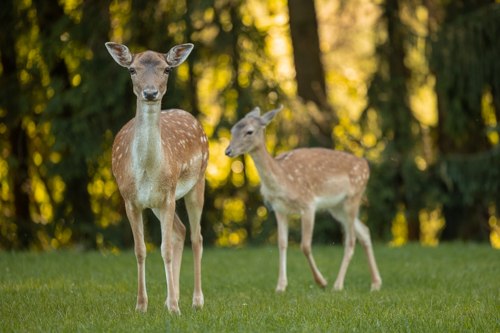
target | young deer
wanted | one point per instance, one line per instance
(302, 181)
(159, 157)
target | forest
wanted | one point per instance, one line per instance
(413, 86)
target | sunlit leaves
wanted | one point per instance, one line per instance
(72, 100)
(219, 166)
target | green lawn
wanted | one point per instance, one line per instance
(451, 288)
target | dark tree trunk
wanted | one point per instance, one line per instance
(306, 51)
(192, 84)
(399, 106)
(18, 138)
(243, 99)
(21, 185)
(310, 74)
(464, 220)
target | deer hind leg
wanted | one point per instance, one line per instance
(306, 246)
(167, 217)
(194, 205)
(178, 248)
(363, 234)
(282, 247)
(346, 215)
(134, 215)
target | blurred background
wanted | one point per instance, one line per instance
(411, 85)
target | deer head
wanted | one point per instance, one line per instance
(248, 133)
(149, 70)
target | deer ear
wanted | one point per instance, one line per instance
(268, 116)
(178, 54)
(120, 53)
(254, 113)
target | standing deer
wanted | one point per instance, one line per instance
(303, 181)
(159, 157)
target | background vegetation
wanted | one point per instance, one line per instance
(412, 85)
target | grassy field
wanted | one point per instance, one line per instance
(451, 288)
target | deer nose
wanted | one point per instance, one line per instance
(228, 151)
(150, 94)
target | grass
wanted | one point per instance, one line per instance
(452, 288)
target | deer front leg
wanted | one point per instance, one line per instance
(167, 214)
(306, 246)
(194, 205)
(282, 247)
(134, 215)
(179, 238)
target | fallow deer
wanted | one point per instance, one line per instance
(157, 158)
(303, 181)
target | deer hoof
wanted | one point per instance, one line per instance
(198, 302)
(173, 307)
(281, 286)
(338, 286)
(321, 282)
(376, 286)
(141, 306)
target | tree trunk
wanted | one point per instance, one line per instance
(192, 83)
(306, 51)
(464, 220)
(21, 186)
(399, 107)
(310, 75)
(18, 138)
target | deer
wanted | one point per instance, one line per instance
(301, 182)
(158, 157)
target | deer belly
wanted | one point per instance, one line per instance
(184, 186)
(330, 201)
(150, 194)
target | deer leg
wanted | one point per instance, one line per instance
(347, 218)
(305, 245)
(134, 215)
(194, 204)
(167, 214)
(363, 234)
(282, 247)
(179, 237)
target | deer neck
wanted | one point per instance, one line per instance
(270, 172)
(147, 149)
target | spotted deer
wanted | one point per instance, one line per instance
(303, 181)
(157, 158)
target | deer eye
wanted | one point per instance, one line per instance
(132, 71)
(249, 132)
(167, 70)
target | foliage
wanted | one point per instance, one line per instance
(396, 175)
(460, 163)
(450, 288)
(468, 90)
(429, 127)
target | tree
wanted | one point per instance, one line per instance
(464, 59)
(14, 111)
(394, 179)
(310, 74)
